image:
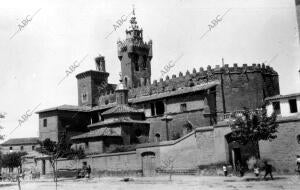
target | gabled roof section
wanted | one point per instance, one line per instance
(117, 121)
(180, 91)
(122, 108)
(21, 141)
(277, 97)
(108, 132)
(66, 107)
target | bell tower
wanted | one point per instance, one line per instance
(135, 56)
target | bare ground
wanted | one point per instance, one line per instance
(162, 183)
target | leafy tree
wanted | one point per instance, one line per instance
(60, 149)
(251, 127)
(12, 160)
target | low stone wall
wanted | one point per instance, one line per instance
(203, 146)
(282, 151)
(105, 164)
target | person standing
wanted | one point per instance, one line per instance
(268, 169)
(242, 170)
(256, 170)
(298, 162)
(225, 170)
(89, 171)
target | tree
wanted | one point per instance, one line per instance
(2, 116)
(56, 150)
(251, 127)
(168, 164)
(12, 160)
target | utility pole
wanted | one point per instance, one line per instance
(167, 118)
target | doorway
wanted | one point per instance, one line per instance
(148, 163)
(236, 157)
(43, 167)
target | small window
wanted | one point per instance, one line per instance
(33, 147)
(183, 107)
(276, 107)
(293, 105)
(21, 148)
(298, 139)
(45, 122)
(10, 148)
(86, 144)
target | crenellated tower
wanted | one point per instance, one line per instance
(135, 56)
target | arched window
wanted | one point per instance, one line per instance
(138, 132)
(84, 95)
(157, 137)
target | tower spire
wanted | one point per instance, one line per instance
(133, 10)
(133, 21)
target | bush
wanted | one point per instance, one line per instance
(175, 136)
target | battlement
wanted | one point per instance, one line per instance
(129, 44)
(195, 78)
(235, 69)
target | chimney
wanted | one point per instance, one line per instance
(100, 63)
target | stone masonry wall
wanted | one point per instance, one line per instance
(283, 150)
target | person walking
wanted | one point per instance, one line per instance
(268, 169)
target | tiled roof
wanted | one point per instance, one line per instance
(101, 107)
(108, 132)
(119, 120)
(134, 100)
(176, 92)
(122, 108)
(67, 108)
(21, 141)
(283, 96)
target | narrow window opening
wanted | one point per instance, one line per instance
(152, 109)
(160, 108)
(293, 105)
(45, 122)
(183, 107)
(276, 107)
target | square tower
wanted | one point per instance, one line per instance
(135, 56)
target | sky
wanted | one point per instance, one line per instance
(41, 39)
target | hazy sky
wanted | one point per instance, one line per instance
(61, 32)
